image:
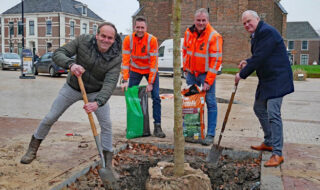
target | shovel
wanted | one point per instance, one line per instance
(105, 173)
(216, 150)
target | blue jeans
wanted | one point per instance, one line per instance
(135, 79)
(210, 100)
(269, 115)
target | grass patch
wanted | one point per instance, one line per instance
(313, 71)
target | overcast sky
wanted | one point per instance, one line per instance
(120, 11)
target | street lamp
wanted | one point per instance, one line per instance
(10, 28)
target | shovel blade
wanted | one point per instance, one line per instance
(108, 179)
(214, 154)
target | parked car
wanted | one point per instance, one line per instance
(46, 65)
(10, 61)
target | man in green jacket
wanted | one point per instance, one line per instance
(98, 61)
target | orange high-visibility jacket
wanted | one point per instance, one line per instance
(140, 55)
(202, 54)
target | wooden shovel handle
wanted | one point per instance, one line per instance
(85, 99)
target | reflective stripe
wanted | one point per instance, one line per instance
(213, 71)
(187, 36)
(154, 71)
(184, 47)
(153, 54)
(215, 64)
(215, 55)
(131, 42)
(148, 45)
(207, 57)
(200, 55)
(124, 67)
(138, 67)
(140, 57)
(189, 52)
(126, 52)
(188, 70)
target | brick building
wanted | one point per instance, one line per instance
(303, 43)
(225, 17)
(48, 24)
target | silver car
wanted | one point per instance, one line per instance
(10, 61)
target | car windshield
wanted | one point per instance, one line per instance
(11, 56)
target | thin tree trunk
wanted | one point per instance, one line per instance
(178, 130)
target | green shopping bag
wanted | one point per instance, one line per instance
(134, 113)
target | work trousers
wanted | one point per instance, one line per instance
(135, 79)
(66, 97)
(269, 115)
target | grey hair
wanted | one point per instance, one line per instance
(251, 12)
(202, 11)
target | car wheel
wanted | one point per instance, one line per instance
(52, 72)
(2, 67)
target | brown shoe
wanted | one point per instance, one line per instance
(262, 147)
(274, 161)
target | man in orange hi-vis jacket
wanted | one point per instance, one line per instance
(202, 57)
(140, 59)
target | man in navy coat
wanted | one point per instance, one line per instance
(270, 61)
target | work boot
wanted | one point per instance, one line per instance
(111, 182)
(208, 140)
(158, 131)
(262, 147)
(32, 151)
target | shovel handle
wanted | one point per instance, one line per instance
(228, 112)
(85, 99)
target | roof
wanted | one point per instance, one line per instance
(301, 30)
(281, 7)
(38, 6)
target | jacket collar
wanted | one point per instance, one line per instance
(256, 32)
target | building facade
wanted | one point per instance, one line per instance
(48, 24)
(303, 43)
(225, 17)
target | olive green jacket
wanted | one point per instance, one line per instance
(101, 69)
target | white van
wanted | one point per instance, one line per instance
(165, 60)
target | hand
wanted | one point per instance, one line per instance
(124, 86)
(149, 88)
(206, 86)
(237, 78)
(77, 70)
(242, 64)
(90, 107)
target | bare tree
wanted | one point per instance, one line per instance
(178, 130)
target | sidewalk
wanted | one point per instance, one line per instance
(25, 102)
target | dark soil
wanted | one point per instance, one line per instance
(133, 163)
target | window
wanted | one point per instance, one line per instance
(304, 59)
(71, 28)
(161, 51)
(304, 45)
(94, 29)
(84, 10)
(11, 28)
(20, 27)
(31, 27)
(84, 28)
(290, 45)
(49, 27)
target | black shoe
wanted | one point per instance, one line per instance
(208, 140)
(158, 131)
